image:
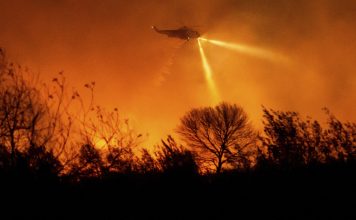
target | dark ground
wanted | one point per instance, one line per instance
(326, 192)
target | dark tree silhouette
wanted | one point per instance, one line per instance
(21, 113)
(291, 142)
(26, 126)
(146, 163)
(219, 136)
(285, 139)
(341, 137)
(4, 158)
(43, 163)
(175, 159)
(30, 119)
(114, 136)
(87, 164)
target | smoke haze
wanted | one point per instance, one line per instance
(155, 79)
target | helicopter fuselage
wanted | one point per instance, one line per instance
(183, 33)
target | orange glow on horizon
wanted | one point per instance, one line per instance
(99, 143)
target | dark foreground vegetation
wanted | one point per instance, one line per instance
(51, 164)
(311, 193)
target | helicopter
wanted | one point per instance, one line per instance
(184, 33)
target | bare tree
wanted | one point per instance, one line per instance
(21, 112)
(114, 136)
(220, 136)
(31, 115)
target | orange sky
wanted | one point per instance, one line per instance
(155, 79)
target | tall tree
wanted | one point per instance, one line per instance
(221, 136)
